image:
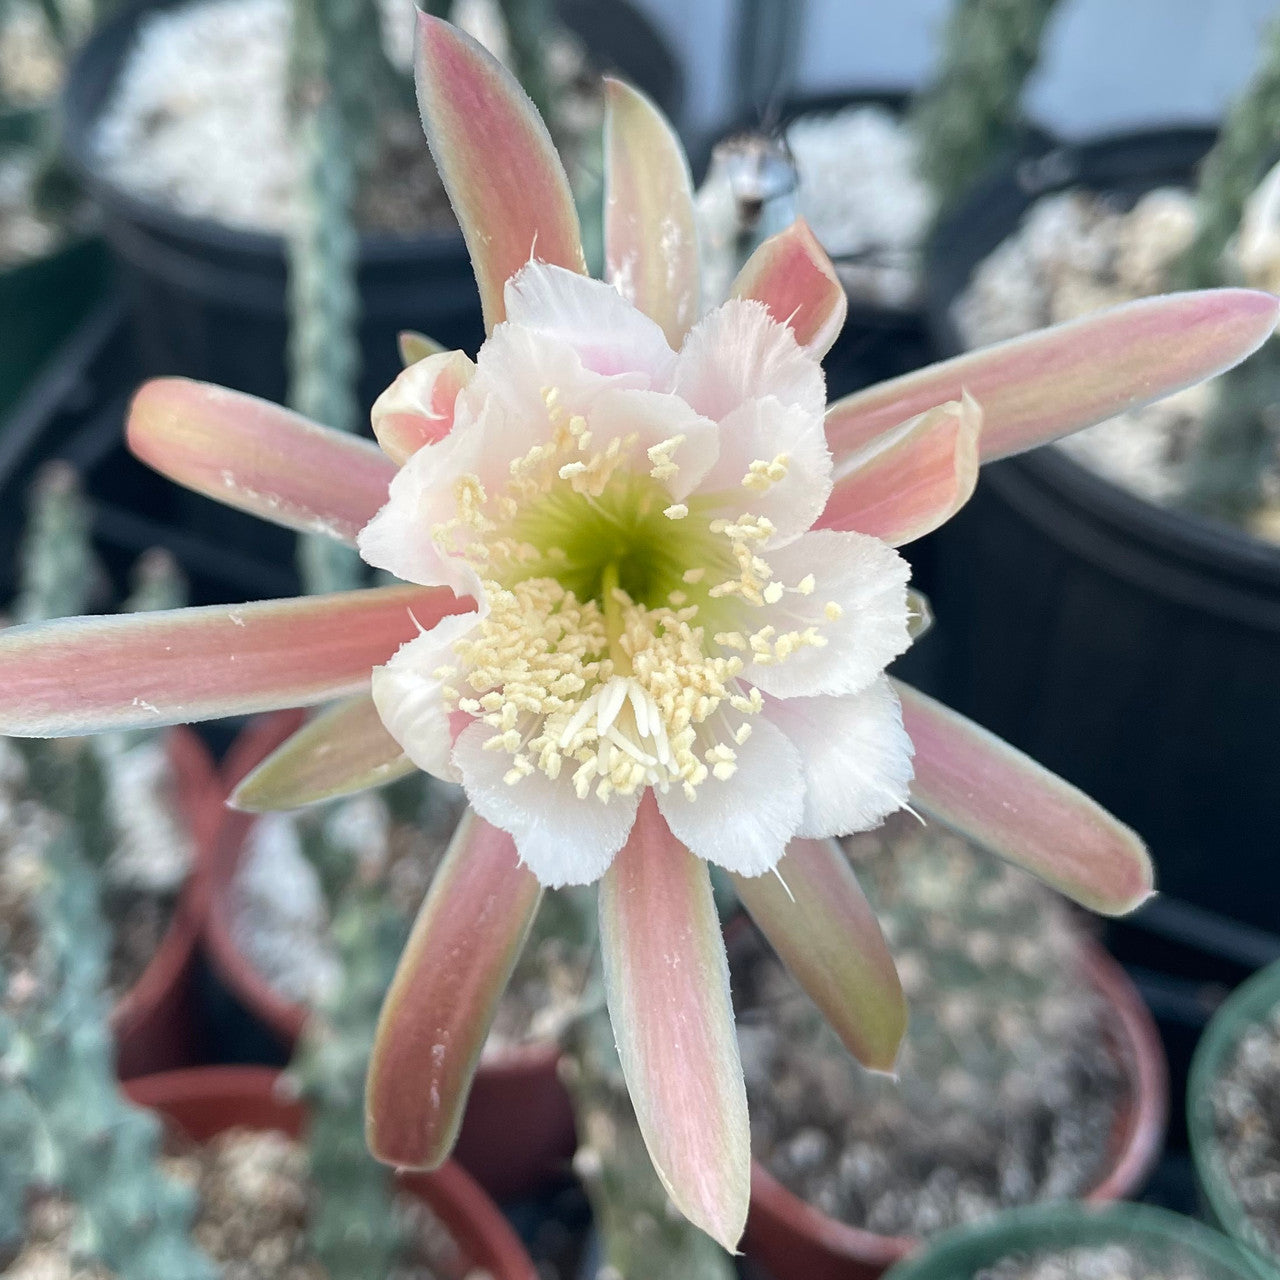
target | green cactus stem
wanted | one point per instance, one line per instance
(1246, 147)
(972, 109)
(1224, 472)
(66, 1128)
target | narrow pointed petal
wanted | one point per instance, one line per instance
(437, 1013)
(252, 454)
(1050, 383)
(343, 750)
(414, 346)
(1002, 799)
(816, 918)
(912, 479)
(505, 181)
(144, 670)
(650, 240)
(667, 983)
(792, 275)
(417, 408)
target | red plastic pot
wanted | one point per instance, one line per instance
(518, 1131)
(155, 1022)
(206, 1101)
(791, 1240)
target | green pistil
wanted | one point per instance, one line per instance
(613, 621)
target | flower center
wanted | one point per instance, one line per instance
(616, 634)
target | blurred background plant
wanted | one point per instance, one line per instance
(81, 1177)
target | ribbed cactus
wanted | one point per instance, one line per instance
(355, 1228)
(65, 1122)
(1246, 147)
(972, 109)
(1224, 472)
(64, 1127)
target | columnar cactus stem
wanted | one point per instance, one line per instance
(65, 1126)
(355, 1230)
(1245, 148)
(972, 108)
(57, 569)
(1225, 469)
(1224, 473)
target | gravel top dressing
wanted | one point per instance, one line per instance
(1009, 1084)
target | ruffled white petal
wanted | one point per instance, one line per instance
(867, 581)
(738, 352)
(855, 754)
(561, 839)
(410, 698)
(608, 333)
(762, 430)
(398, 539)
(743, 823)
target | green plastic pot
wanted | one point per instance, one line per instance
(960, 1253)
(1248, 1005)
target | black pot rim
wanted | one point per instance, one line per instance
(1220, 563)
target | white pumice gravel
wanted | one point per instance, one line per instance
(278, 917)
(860, 192)
(1077, 252)
(1116, 1261)
(198, 119)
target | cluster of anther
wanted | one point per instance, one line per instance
(624, 693)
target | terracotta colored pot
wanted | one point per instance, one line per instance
(518, 1131)
(792, 1240)
(208, 1100)
(156, 1023)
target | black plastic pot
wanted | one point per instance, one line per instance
(74, 411)
(208, 301)
(878, 341)
(1133, 649)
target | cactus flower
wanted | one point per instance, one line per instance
(650, 591)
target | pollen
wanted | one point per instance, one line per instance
(761, 476)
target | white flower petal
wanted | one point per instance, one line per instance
(738, 352)
(608, 333)
(867, 582)
(561, 839)
(761, 430)
(410, 699)
(398, 539)
(743, 823)
(653, 417)
(855, 754)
